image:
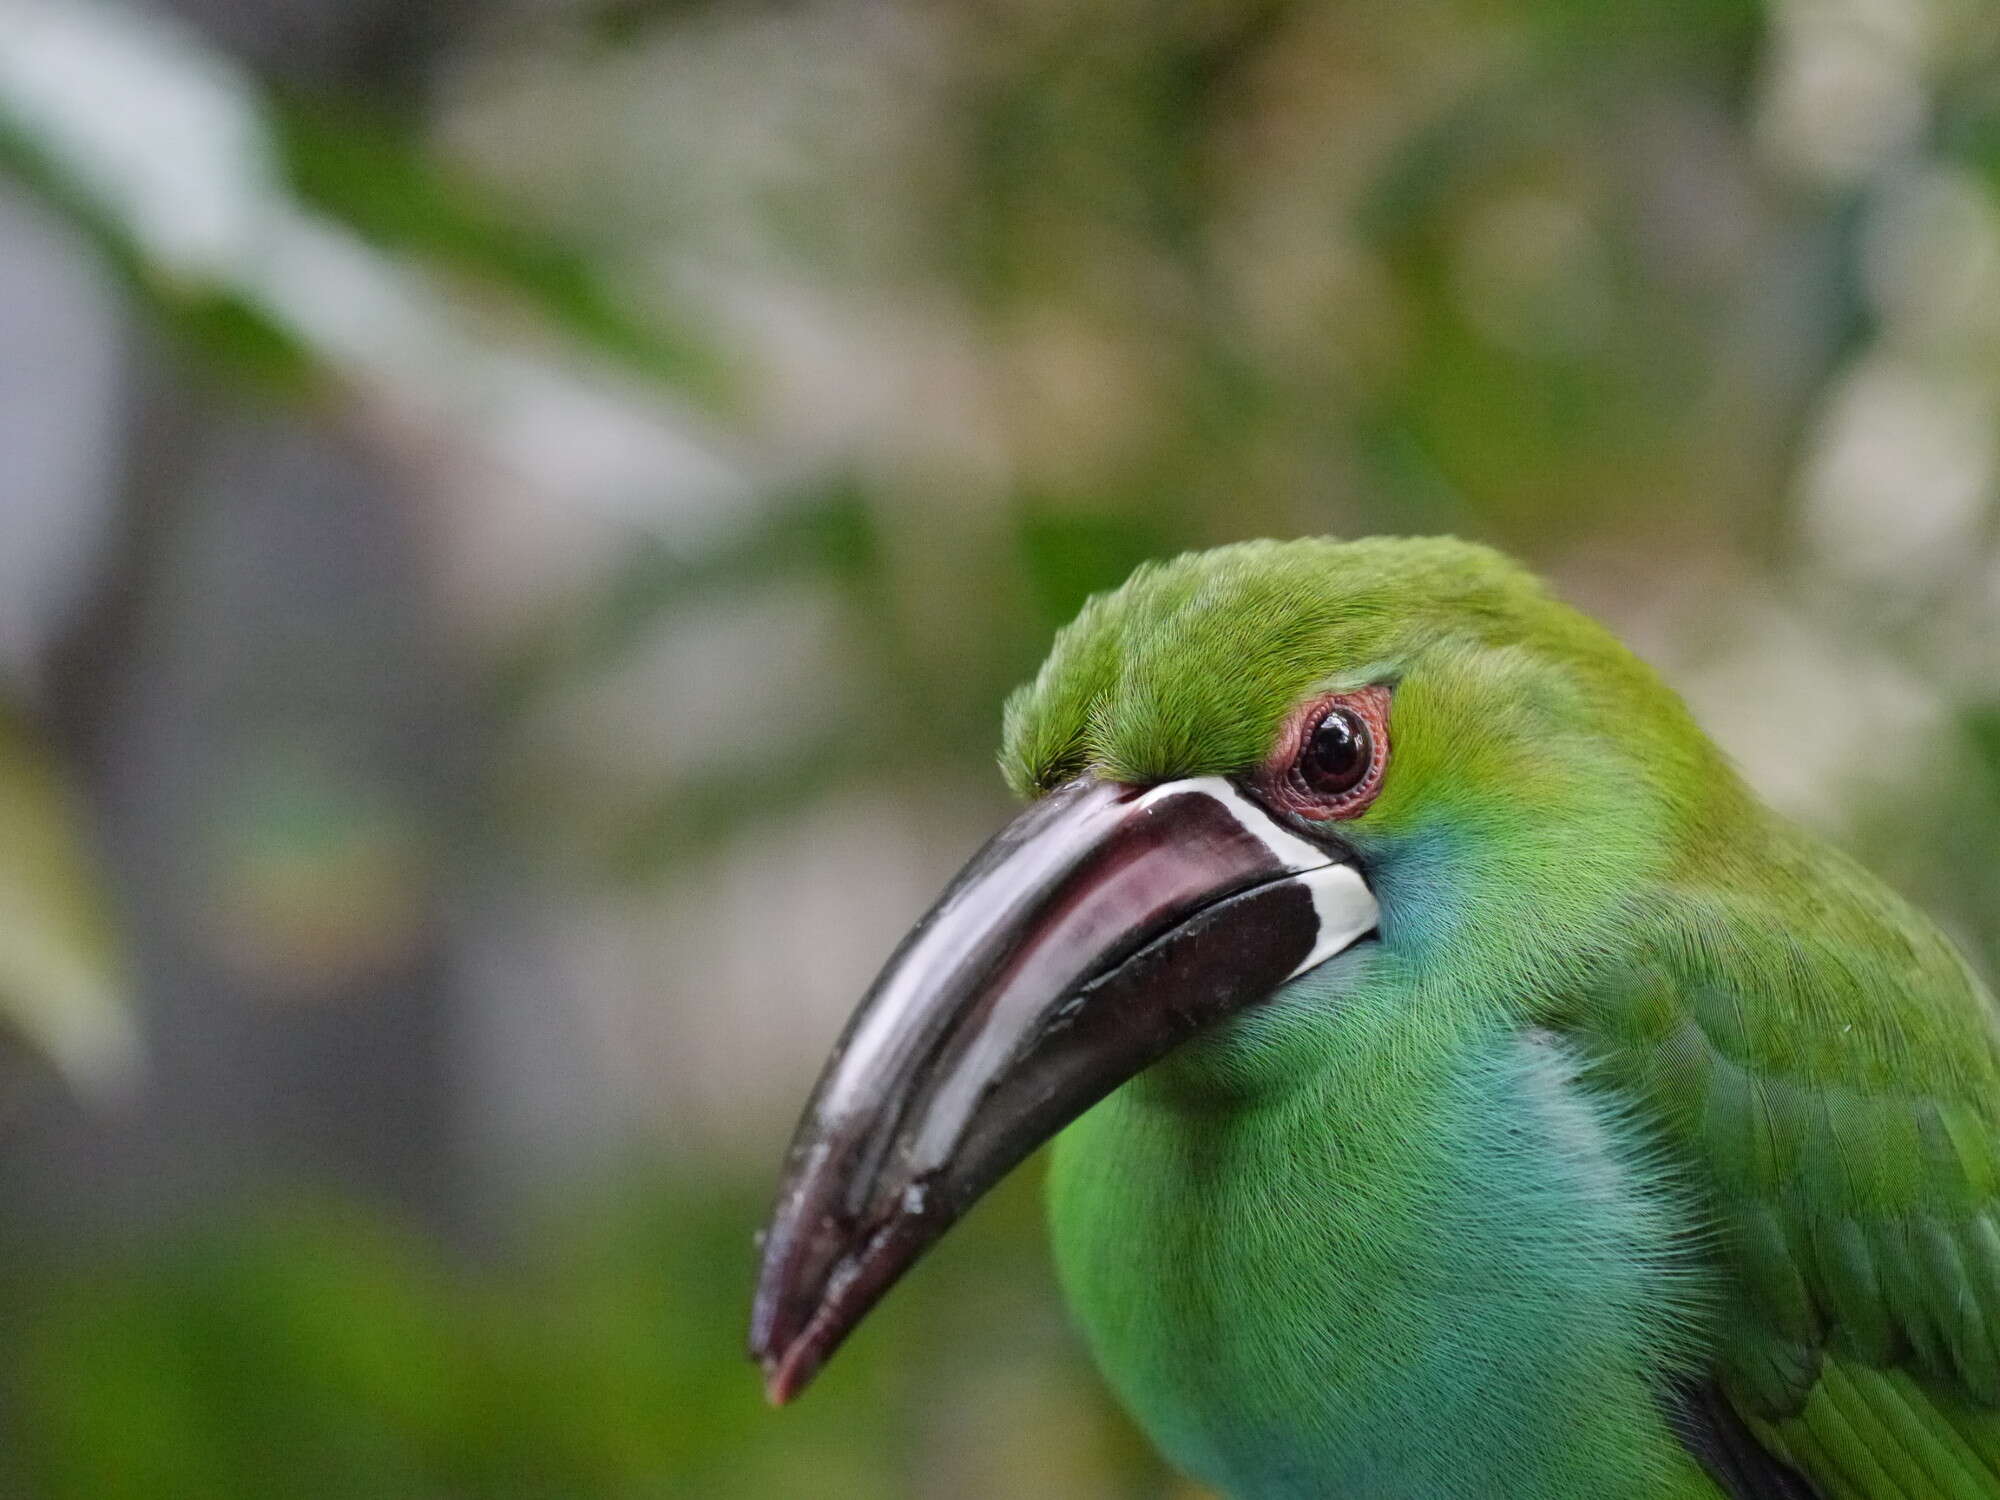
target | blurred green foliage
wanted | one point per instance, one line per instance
(313, 1350)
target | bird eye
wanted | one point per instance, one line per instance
(1330, 759)
(1336, 755)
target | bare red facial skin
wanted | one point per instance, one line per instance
(1280, 780)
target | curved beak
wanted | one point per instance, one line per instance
(1102, 927)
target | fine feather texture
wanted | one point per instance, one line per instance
(1434, 1271)
(1640, 1084)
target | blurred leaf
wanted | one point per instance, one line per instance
(185, 186)
(221, 325)
(306, 1347)
(59, 984)
(174, 183)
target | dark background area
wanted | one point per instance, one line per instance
(517, 516)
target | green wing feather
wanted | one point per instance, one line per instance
(1823, 1073)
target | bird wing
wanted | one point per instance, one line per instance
(1742, 1465)
(1822, 1072)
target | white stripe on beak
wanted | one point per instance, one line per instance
(1345, 906)
(1346, 909)
(1287, 848)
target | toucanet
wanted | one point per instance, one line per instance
(1467, 1087)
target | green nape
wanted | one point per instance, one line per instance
(1639, 1086)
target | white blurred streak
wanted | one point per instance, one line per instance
(153, 127)
(60, 370)
(166, 142)
(558, 429)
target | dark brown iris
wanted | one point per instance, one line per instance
(1337, 753)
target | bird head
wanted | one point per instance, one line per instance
(1253, 774)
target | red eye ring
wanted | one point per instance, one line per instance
(1286, 780)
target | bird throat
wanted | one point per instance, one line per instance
(1433, 1267)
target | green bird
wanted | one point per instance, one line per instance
(1477, 1091)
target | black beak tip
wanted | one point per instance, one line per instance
(814, 1290)
(788, 1348)
(779, 1363)
(798, 1315)
(786, 1375)
(774, 1339)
